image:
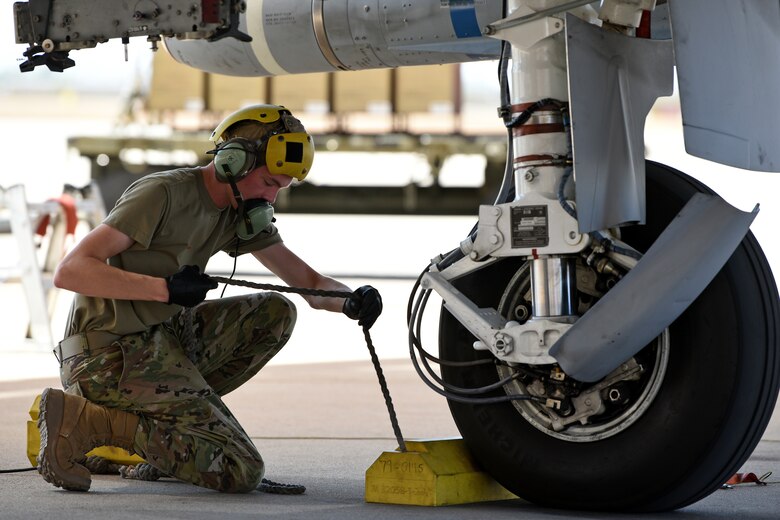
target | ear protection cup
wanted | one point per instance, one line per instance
(234, 159)
(289, 154)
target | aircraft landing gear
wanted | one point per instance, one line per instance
(665, 434)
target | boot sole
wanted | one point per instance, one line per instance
(49, 420)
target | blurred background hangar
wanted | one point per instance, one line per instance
(418, 111)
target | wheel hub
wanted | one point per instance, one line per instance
(575, 411)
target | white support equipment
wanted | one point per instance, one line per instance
(20, 218)
(36, 285)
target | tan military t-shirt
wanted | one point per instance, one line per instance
(174, 222)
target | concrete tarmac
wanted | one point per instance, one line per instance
(320, 425)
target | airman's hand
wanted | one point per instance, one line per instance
(189, 286)
(365, 305)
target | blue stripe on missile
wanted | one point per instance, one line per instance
(464, 18)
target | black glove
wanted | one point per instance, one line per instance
(189, 286)
(365, 305)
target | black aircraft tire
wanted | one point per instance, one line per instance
(711, 410)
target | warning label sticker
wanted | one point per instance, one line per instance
(530, 227)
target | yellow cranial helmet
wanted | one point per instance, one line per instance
(287, 150)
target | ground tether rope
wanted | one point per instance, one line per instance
(369, 343)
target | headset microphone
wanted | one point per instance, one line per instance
(254, 215)
(258, 215)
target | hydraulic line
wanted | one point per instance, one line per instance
(418, 344)
(423, 300)
(506, 191)
(414, 319)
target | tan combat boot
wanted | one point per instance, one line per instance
(71, 426)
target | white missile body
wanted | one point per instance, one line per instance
(323, 36)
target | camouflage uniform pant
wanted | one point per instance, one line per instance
(173, 376)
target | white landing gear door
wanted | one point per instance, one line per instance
(671, 275)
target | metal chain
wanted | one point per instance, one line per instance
(369, 343)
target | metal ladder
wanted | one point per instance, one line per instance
(20, 218)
